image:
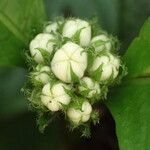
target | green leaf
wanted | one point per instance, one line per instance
(137, 56)
(19, 20)
(129, 103)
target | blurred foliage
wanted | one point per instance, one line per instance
(20, 133)
(107, 11)
(20, 20)
(12, 101)
(133, 15)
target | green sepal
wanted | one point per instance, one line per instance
(115, 44)
(43, 120)
(83, 128)
(76, 36)
(85, 131)
(97, 73)
(104, 91)
(95, 117)
(46, 56)
(74, 77)
(30, 62)
(123, 71)
(33, 81)
(90, 55)
(85, 93)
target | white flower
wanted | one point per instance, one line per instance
(72, 26)
(53, 97)
(106, 66)
(80, 115)
(89, 87)
(52, 27)
(69, 59)
(42, 41)
(101, 42)
(42, 74)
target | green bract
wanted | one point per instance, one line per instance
(71, 70)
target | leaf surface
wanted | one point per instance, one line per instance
(129, 103)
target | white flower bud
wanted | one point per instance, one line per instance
(41, 74)
(80, 115)
(73, 26)
(54, 97)
(52, 27)
(89, 87)
(42, 41)
(106, 66)
(101, 42)
(114, 60)
(74, 115)
(116, 64)
(69, 59)
(86, 108)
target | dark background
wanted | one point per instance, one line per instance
(18, 129)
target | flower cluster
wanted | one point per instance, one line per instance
(74, 63)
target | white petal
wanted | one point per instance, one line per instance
(115, 72)
(70, 28)
(100, 38)
(51, 27)
(62, 71)
(99, 61)
(69, 54)
(64, 99)
(114, 60)
(86, 108)
(42, 41)
(69, 48)
(45, 69)
(80, 56)
(74, 25)
(77, 69)
(85, 36)
(45, 100)
(107, 71)
(91, 85)
(43, 77)
(46, 90)
(37, 55)
(89, 82)
(58, 89)
(59, 56)
(85, 118)
(74, 115)
(54, 106)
